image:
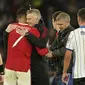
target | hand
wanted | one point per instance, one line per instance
(22, 31)
(65, 77)
(49, 54)
(10, 28)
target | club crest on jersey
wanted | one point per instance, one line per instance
(82, 33)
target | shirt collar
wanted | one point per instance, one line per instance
(82, 26)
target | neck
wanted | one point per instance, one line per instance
(22, 23)
(82, 24)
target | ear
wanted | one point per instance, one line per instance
(37, 21)
(78, 19)
(52, 20)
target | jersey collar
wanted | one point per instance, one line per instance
(82, 26)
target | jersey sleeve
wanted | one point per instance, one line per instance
(70, 41)
(35, 32)
(42, 52)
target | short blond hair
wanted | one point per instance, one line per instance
(35, 12)
(63, 16)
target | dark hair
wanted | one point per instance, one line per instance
(21, 12)
(81, 14)
(56, 14)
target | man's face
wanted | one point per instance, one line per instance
(31, 19)
(61, 24)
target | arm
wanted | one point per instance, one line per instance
(6, 33)
(34, 32)
(32, 38)
(68, 55)
(59, 44)
(39, 42)
(67, 60)
(5, 42)
(5, 39)
(42, 40)
(42, 52)
(59, 52)
(58, 47)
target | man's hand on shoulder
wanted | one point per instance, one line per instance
(22, 31)
(10, 28)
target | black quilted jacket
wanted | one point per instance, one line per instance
(58, 48)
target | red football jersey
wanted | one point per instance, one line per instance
(18, 57)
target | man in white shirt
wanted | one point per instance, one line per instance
(76, 44)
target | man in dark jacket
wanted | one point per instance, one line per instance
(38, 63)
(58, 46)
(52, 34)
(39, 73)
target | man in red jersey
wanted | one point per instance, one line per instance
(19, 51)
(17, 68)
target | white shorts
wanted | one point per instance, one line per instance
(17, 78)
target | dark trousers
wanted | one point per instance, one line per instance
(39, 75)
(79, 81)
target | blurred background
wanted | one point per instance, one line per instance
(8, 10)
